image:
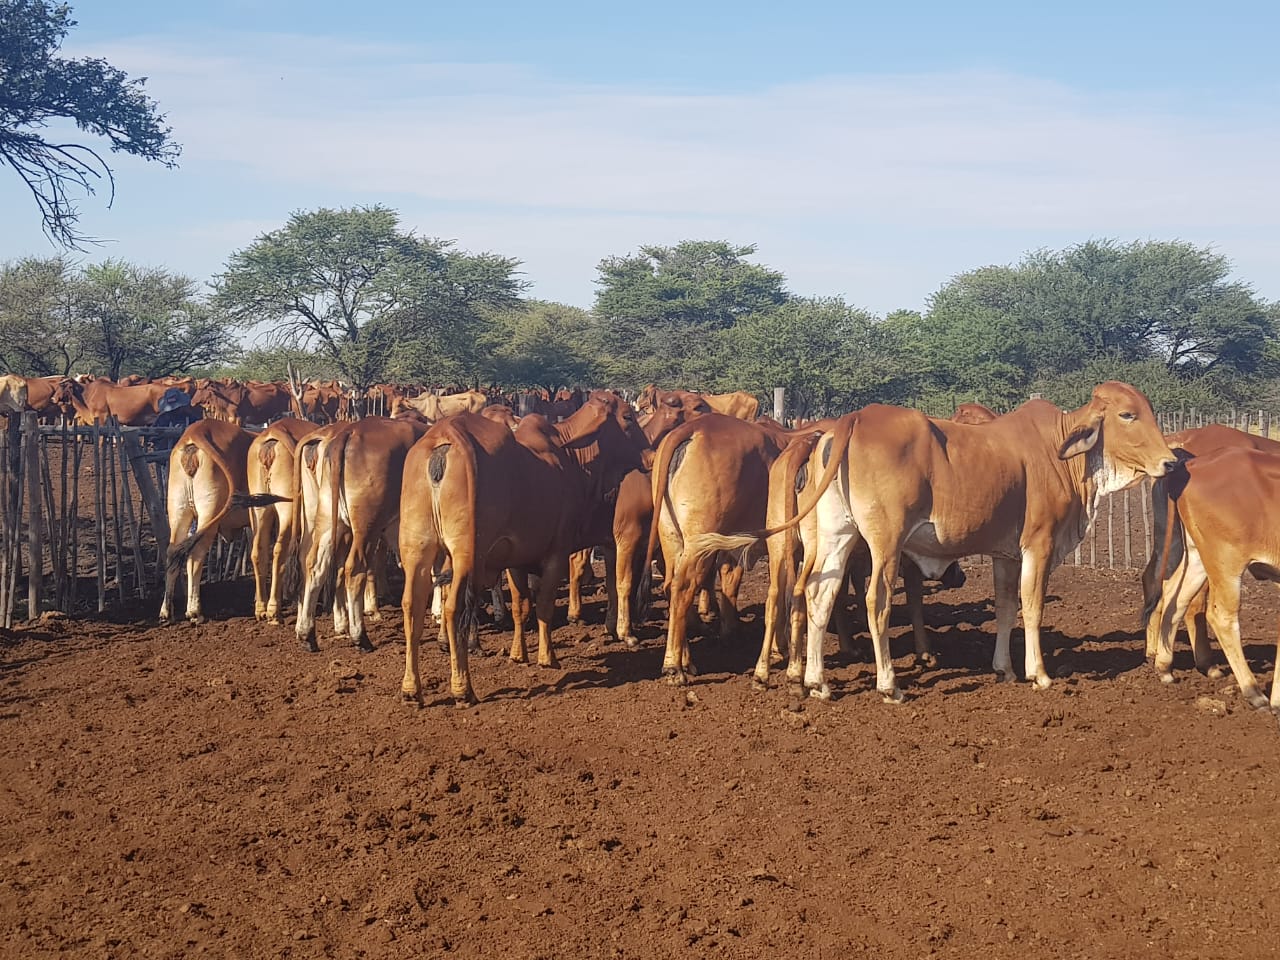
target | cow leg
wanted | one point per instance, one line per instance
(1179, 591)
(1224, 617)
(195, 569)
(781, 564)
(683, 582)
(730, 583)
(356, 574)
(884, 577)
(263, 521)
(1035, 576)
(1275, 680)
(821, 590)
(1198, 632)
(279, 555)
(578, 562)
(798, 624)
(319, 568)
(1004, 576)
(418, 587)
(375, 579)
(552, 573)
(913, 580)
(181, 515)
(610, 590)
(628, 560)
(844, 616)
(457, 604)
(518, 583)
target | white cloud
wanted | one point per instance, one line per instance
(834, 170)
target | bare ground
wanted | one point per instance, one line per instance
(215, 790)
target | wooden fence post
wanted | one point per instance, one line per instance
(35, 526)
(779, 403)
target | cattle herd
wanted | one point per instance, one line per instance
(463, 491)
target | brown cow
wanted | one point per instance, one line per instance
(436, 408)
(711, 475)
(1225, 518)
(1195, 442)
(270, 470)
(325, 401)
(491, 500)
(99, 399)
(358, 503)
(207, 467)
(1021, 488)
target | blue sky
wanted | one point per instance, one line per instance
(869, 151)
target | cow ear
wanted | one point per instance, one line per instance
(1082, 439)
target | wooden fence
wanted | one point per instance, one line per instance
(87, 504)
(83, 523)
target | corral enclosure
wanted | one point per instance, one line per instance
(216, 790)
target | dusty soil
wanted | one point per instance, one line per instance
(216, 790)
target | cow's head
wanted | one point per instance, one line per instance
(1118, 424)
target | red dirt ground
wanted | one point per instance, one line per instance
(215, 790)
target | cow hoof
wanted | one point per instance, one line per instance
(1042, 681)
(1215, 673)
(1005, 676)
(893, 696)
(1258, 701)
(551, 663)
(411, 699)
(195, 619)
(1166, 677)
(631, 642)
(309, 644)
(364, 645)
(928, 660)
(820, 692)
(759, 684)
(275, 621)
(674, 677)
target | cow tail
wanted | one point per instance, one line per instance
(700, 547)
(661, 469)
(1173, 539)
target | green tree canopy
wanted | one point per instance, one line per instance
(145, 320)
(37, 86)
(655, 310)
(366, 295)
(996, 331)
(39, 333)
(830, 357)
(540, 345)
(112, 318)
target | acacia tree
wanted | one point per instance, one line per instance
(144, 320)
(657, 311)
(1000, 332)
(352, 286)
(540, 344)
(831, 357)
(37, 86)
(39, 333)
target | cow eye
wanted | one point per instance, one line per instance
(1128, 417)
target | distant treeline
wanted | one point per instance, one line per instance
(348, 294)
